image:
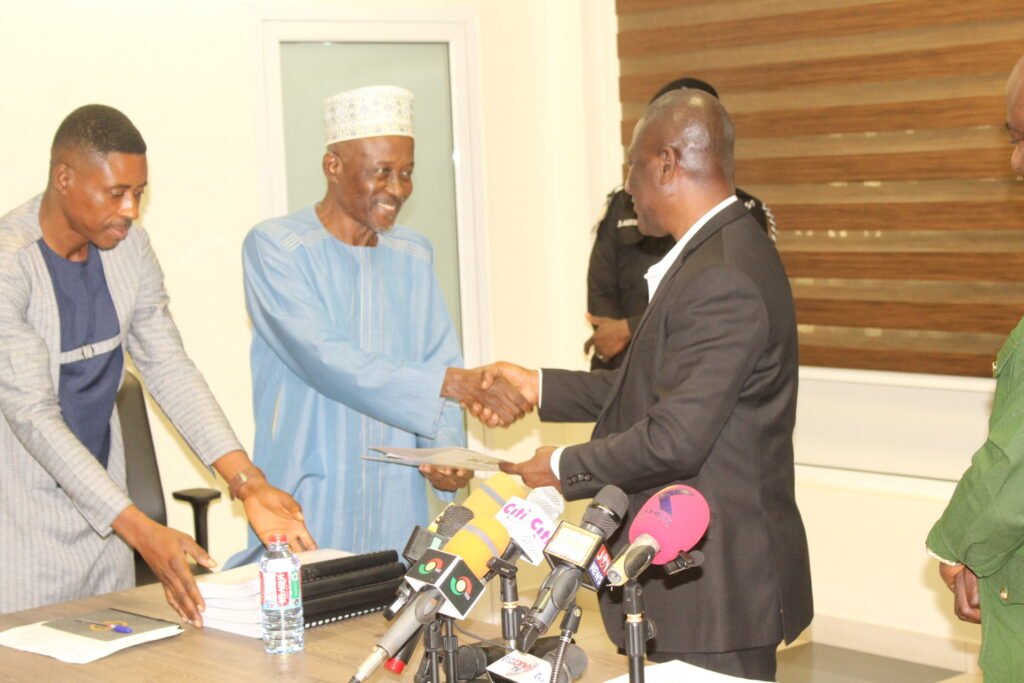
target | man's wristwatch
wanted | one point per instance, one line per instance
(244, 475)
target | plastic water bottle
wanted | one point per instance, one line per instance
(281, 598)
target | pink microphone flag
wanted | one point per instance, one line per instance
(677, 516)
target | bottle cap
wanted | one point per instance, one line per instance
(277, 538)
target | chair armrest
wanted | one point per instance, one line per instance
(196, 496)
(200, 500)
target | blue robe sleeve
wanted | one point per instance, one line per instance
(443, 350)
(286, 312)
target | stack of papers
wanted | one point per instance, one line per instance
(88, 637)
(233, 601)
(233, 596)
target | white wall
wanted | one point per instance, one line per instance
(187, 73)
(184, 73)
(875, 588)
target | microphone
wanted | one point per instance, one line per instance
(450, 582)
(485, 501)
(440, 531)
(547, 500)
(575, 553)
(398, 661)
(473, 660)
(451, 515)
(488, 495)
(492, 493)
(530, 523)
(672, 521)
(572, 665)
(451, 519)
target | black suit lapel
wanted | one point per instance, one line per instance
(717, 222)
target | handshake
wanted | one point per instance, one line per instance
(497, 394)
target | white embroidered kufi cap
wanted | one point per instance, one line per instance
(368, 113)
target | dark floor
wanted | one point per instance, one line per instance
(814, 663)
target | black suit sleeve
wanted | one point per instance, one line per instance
(716, 330)
(574, 395)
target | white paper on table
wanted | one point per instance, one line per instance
(73, 649)
(676, 671)
(442, 457)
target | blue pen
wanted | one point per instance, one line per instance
(119, 628)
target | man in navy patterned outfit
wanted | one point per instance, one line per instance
(79, 287)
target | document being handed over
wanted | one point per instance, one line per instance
(442, 457)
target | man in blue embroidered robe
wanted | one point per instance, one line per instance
(352, 345)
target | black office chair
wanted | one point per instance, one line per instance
(144, 486)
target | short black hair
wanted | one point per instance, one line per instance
(99, 129)
(687, 82)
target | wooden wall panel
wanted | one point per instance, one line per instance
(993, 266)
(983, 58)
(977, 163)
(965, 364)
(889, 116)
(991, 318)
(948, 113)
(874, 130)
(966, 216)
(832, 22)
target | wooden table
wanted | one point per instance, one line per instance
(332, 652)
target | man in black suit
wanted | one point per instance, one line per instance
(706, 396)
(616, 290)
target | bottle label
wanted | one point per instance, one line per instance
(280, 590)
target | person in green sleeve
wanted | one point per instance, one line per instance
(979, 539)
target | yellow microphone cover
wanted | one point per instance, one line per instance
(477, 542)
(492, 493)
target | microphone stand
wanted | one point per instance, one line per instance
(429, 670)
(570, 625)
(511, 612)
(638, 629)
(451, 651)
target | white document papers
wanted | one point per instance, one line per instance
(233, 597)
(676, 671)
(442, 457)
(87, 637)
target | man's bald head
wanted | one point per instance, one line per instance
(680, 161)
(697, 127)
